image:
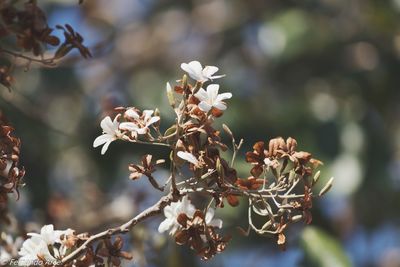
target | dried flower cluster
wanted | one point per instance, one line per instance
(278, 188)
(11, 173)
(28, 25)
(284, 192)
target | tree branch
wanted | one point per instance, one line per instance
(122, 229)
(44, 61)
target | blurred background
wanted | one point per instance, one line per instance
(325, 72)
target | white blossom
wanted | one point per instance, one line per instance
(34, 248)
(196, 71)
(5, 256)
(188, 157)
(211, 98)
(111, 133)
(172, 212)
(49, 235)
(135, 127)
(132, 127)
(37, 246)
(210, 221)
(149, 119)
(131, 113)
(10, 248)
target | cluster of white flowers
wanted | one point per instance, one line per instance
(9, 248)
(209, 98)
(173, 210)
(200, 74)
(139, 124)
(43, 246)
(113, 129)
(136, 127)
(111, 133)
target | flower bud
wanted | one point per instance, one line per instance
(170, 95)
(326, 188)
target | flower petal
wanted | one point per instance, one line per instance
(165, 225)
(204, 106)
(220, 105)
(153, 120)
(131, 113)
(142, 130)
(147, 113)
(194, 69)
(175, 227)
(212, 222)
(107, 125)
(223, 96)
(212, 91)
(105, 147)
(216, 223)
(208, 71)
(102, 139)
(209, 215)
(188, 157)
(216, 77)
(168, 212)
(201, 95)
(129, 126)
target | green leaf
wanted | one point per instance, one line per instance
(322, 250)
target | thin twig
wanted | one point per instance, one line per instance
(47, 62)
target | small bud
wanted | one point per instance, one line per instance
(297, 218)
(227, 130)
(220, 170)
(170, 95)
(160, 161)
(326, 188)
(316, 177)
(184, 81)
(156, 112)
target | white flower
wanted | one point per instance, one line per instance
(34, 248)
(4, 256)
(172, 212)
(196, 71)
(147, 120)
(110, 133)
(211, 98)
(37, 246)
(10, 248)
(212, 222)
(188, 157)
(132, 113)
(49, 235)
